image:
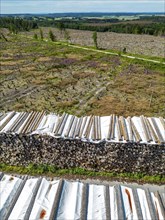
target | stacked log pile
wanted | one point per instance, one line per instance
(89, 128)
(23, 149)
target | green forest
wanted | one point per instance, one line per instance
(145, 25)
(17, 24)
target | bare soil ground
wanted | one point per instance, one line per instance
(38, 75)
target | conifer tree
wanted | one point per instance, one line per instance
(41, 34)
(52, 36)
(94, 36)
(35, 36)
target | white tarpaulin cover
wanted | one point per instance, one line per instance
(95, 129)
(40, 199)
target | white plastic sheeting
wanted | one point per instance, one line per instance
(129, 203)
(44, 200)
(50, 122)
(96, 202)
(70, 201)
(23, 202)
(8, 188)
(157, 205)
(113, 204)
(40, 198)
(144, 204)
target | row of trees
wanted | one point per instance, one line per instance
(150, 29)
(17, 24)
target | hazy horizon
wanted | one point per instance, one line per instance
(83, 12)
(81, 6)
(90, 12)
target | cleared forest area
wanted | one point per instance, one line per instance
(147, 45)
(39, 75)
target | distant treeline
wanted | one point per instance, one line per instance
(87, 14)
(157, 28)
(17, 24)
(153, 18)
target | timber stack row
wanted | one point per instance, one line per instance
(110, 143)
(111, 128)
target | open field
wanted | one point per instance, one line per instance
(152, 46)
(39, 75)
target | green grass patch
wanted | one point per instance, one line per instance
(44, 169)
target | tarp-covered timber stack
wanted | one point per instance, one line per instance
(108, 143)
(24, 197)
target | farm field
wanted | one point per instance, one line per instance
(38, 75)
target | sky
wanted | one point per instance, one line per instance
(53, 6)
